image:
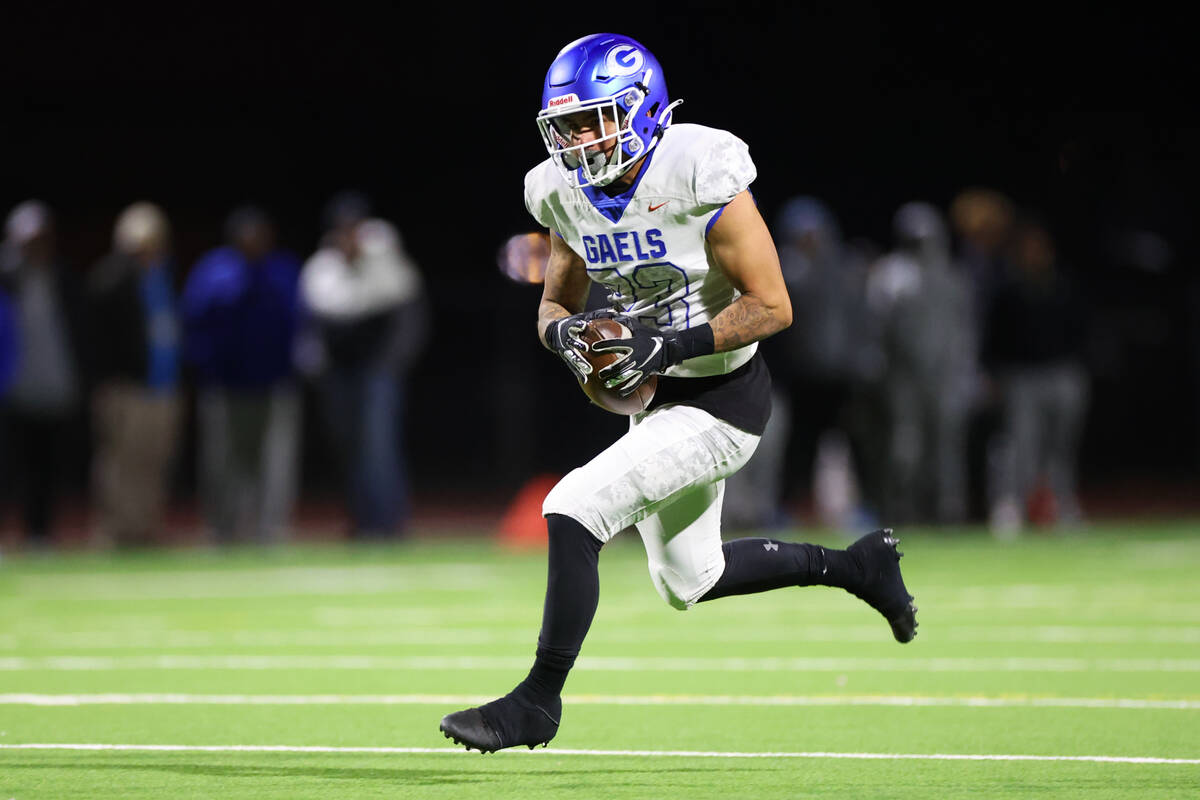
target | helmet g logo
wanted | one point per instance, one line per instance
(623, 60)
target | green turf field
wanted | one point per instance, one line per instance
(1064, 666)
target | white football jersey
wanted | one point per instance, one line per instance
(648, 246)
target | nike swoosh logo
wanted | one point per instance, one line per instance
(657, 207)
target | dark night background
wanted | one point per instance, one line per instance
(1084, 115)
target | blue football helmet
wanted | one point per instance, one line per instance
(616, 79)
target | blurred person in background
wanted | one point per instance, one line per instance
(240, 309)
(981, 220)
(922, 301)
(134, 352)
(1194, 365)
(365, 305)
(1035, 337)
(815, 365)
(865, 413)
(9, 348)
(42, 403)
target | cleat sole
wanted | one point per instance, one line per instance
(469, 747)
(904, 628)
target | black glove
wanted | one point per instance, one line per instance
(649, 351)
(563, 336)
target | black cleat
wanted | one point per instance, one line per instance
(883, 587)
(507, 722)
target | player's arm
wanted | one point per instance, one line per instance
(560, 313)
(742, 246)
(565, 290)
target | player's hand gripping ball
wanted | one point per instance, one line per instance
(597, 330)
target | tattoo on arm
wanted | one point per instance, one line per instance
(745, 320)
(548, 312)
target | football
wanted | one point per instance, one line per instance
(610, 399)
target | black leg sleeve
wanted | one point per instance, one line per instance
(572, 594)
(759, 565)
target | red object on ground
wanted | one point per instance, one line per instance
(522, 524)
(1042, 507)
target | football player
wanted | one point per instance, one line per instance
(662, 216)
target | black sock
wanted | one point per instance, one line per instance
(759, 565)
(572, 594)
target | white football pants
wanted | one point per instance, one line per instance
(666, 476)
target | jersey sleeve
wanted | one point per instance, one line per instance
(536, 198)
(723, 170)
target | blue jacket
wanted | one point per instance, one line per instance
(8, 342)
(240, 319)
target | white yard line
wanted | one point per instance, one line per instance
(1049, 604)
(183, 748)
(898, 701)
(407, 635)
(596, 663)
